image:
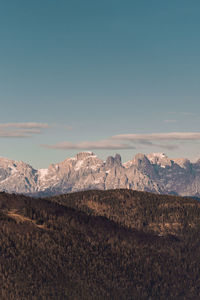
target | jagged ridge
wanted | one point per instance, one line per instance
(154, 172)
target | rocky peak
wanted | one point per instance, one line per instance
(182, 162)
(159, 159)
(140, 159)
(118, 159)
(110, 162)
(83, 155)
(113, 161)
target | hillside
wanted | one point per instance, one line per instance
(99, 245)
(152, 213)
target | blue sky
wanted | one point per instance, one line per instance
(84, 71)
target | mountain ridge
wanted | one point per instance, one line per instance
(154, 172)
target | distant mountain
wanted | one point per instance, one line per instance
(154, 172)
(118, 244)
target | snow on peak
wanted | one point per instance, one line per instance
(83, 155)
(157, 154)
(42, 173)
(78, 165)
(159, 158)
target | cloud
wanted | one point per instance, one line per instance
(31, 130)
(30, 125)
(26, 129)
(102, 144)
(158, 145)
(21, 130)
(131, 141)
(171, 136)
(159, 140)
(12, 134)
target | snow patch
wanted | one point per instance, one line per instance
(128, 164)
(13, 169)
(78, 165)
(42, 173)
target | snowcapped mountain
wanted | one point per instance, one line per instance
(153, 172)
(17, 177)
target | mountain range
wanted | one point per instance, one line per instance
(153, 172)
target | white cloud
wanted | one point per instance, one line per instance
(26, 129)
(86, 145)
(21, 130)
(13, 134)
(25, 125)
(131, 141)
(159, 136)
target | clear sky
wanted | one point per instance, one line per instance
(82, 75)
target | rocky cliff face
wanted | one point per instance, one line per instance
(154, 172)
(17, 177)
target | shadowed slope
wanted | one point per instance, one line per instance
(77, 255)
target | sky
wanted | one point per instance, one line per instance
(109, 76)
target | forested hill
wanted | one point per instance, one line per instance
(161, 214)
(99, 245)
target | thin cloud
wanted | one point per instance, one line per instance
(13, 134)
(131, 141)
(107, 145)
(101, 145)
(30, 131)
(159, 136)
(26, 129)
(157, 145)
(21, 130)
(25, 125)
